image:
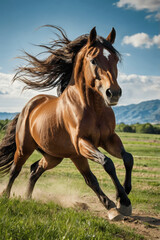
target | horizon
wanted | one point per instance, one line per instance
(111, 107)
(138, 40)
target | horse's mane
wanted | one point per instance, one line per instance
(55, 70)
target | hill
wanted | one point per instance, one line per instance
(148, 111)
(7, 115)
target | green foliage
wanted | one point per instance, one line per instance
(21, 220)
(124, 128)
(3, 124)
(36, 220)
(139, 128)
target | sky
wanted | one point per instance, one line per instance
(137, 25)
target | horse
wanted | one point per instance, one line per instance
(74, 123)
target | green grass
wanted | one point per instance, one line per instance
(146, 173)
(20, 220)
(36, 220)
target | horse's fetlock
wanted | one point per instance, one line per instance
(110, 204)
(124, 200)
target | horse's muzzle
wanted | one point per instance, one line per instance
(113, 96)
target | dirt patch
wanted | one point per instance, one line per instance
(147, 225)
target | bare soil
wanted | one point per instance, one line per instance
(147, 225)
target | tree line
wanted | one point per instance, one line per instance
(139, 128)
(4, 124)
(134, 128)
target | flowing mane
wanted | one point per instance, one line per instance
(55, 70)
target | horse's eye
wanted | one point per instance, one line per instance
(93, 61)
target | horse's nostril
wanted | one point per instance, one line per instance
(120, 92)
(108, 93)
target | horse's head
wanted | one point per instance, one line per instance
(100, 66)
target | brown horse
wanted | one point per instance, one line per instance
(74, 124)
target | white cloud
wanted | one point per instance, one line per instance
(138, 88)
(142, 40)
(156, 40)
(135, 88)
(6, 88)
(12, 99)
(149, 16)
(148, 5)
(126, 54)
(157, 16)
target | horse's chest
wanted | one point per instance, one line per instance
(95, 137)
(92, 133)
(100, 133)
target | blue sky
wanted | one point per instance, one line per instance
(137, 24)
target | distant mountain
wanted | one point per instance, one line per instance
(6, 115)
(143, 112)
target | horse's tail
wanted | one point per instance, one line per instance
(8, 147)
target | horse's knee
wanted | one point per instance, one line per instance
(128, 160)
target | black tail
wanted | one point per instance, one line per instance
(8, 148)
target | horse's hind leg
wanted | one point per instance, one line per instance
(19, 160)
(39, 167)
(90, 179)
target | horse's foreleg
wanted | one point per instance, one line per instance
(89, 151)
(39, 167)
(90, 179)
(115, 147)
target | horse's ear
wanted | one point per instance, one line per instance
(92, 36)
(111, 37)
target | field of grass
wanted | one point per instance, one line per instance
(20, 219)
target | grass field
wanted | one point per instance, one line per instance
(20, 219)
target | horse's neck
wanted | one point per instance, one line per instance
(87, 96)
(77, 84)
(94, 101)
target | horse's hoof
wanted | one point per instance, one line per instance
(114, 215)
(125, 210)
